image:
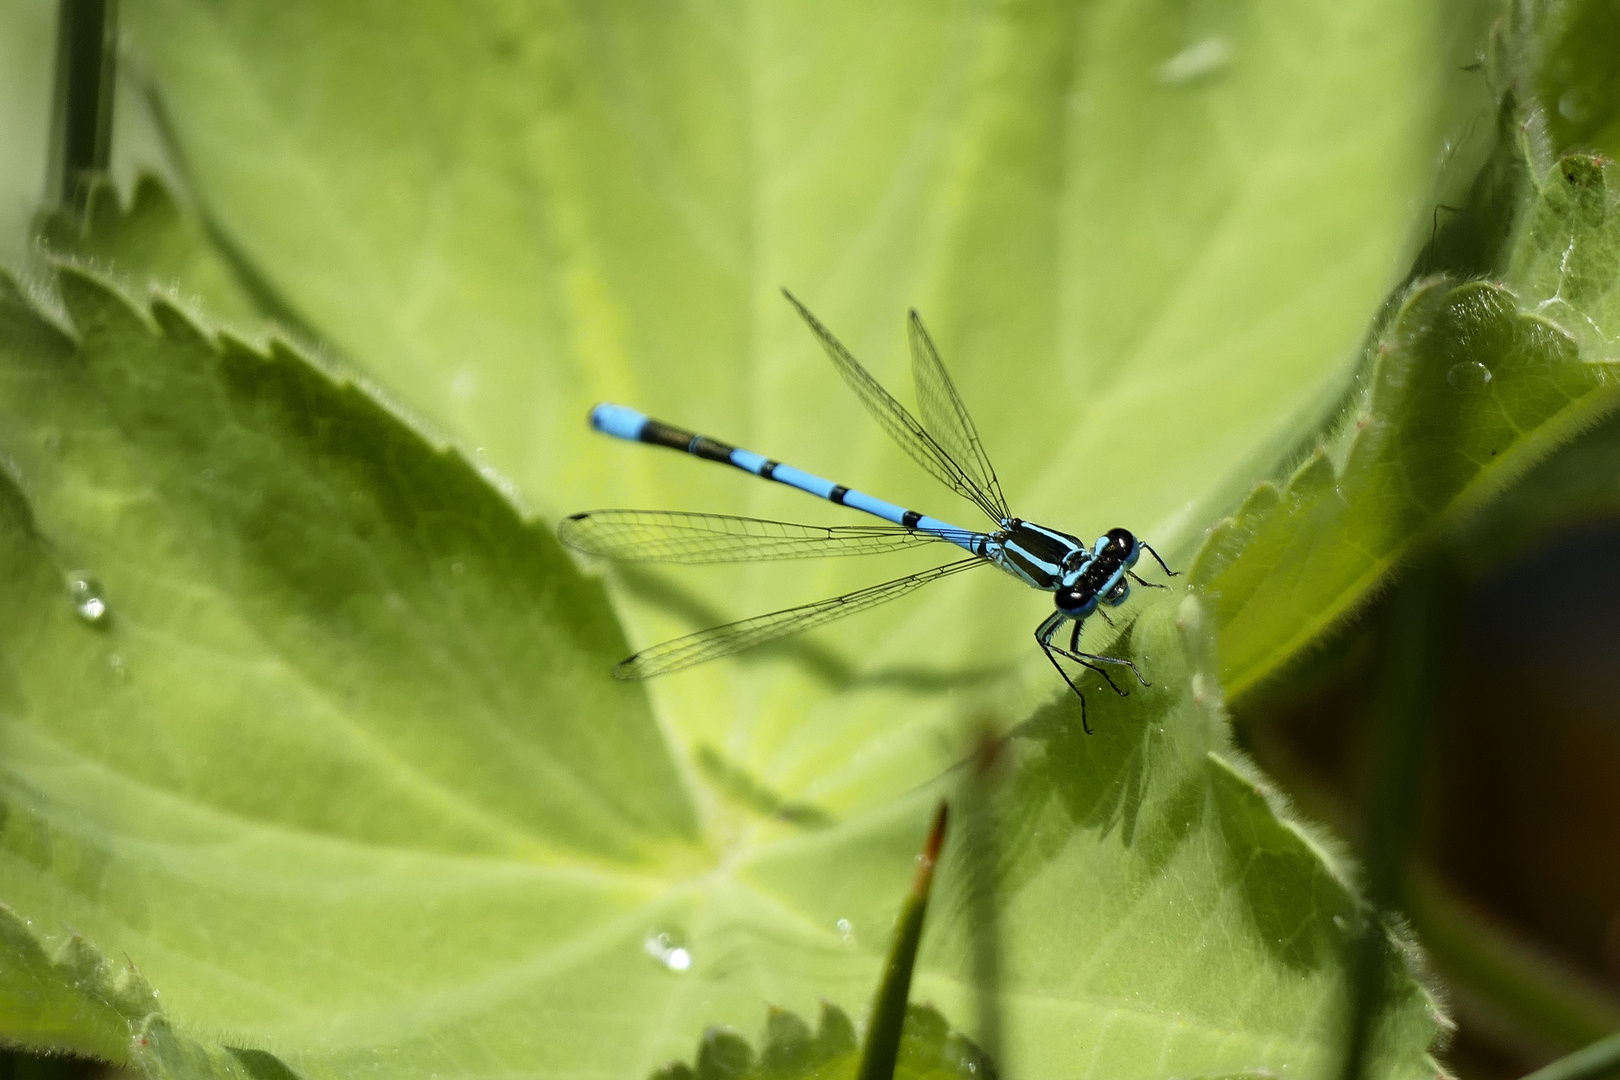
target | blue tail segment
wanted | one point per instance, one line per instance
(618, 421)
(625, 423)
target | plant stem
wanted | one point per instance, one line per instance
(889, 1008)
(1402, 716)
(81, 121)
(1600, 1059)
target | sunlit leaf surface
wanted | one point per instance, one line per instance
(337, 764)
(1472, 384)
(1146, 238)
(303, 720)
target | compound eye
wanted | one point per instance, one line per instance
(1122, 545)
(1076, 602)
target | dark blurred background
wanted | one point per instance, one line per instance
(1514, 889)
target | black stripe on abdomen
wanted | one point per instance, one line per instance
(661, 434)
(711, 449)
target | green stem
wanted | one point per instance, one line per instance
(882, 1048)
(1602, 1058)
(1401, 724)
(81, 122)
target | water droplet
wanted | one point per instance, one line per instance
(88, 601)
(116, 662)
(667, 945)
(464, 383)
(1197, 60)
(1469, 375)
(846, 930)
(1575, 105)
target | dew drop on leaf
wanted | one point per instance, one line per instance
(1575, 105)
(668, 946)
(88, 601)
(1469, 375)
(846, 930)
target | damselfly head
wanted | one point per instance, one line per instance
(1120, 545)
(1076, 601)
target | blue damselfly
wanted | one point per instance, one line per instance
(945, 443)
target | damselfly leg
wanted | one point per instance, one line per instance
(1149, 549)
(1043, 636)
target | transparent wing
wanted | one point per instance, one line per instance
(900, 424)
(675, 536)
(718, 641)
(946, 418)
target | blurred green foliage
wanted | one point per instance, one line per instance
(336, 763)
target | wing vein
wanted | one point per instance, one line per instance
(901, 426)
(715, 642)
(695, 539)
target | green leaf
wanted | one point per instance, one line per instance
(1116, 837)
(66, 1003)
(1577, 485)
(154, 240)
(1473, 384)
(78, 1000)
(1572, 72)
(255, 630)
(1112, 841)
(334, 765)
(1147, 238)
(502, 219)
(789, 1050)
(1581, 482)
